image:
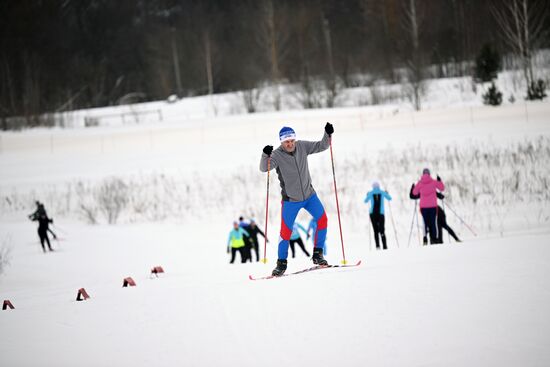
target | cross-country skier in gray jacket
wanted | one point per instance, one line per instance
(290, 162)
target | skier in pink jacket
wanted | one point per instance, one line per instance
(427, 188)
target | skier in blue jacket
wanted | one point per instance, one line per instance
(376, 199)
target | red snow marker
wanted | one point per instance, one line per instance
(7, 304)
(156, 270)
(128, 282)
(82, 295)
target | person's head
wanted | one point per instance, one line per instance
(287, 136)
(235, 224)
(426, 171)
(241, 218)
(375, 185)
(252, 222)
(37, 203)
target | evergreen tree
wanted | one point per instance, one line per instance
(493, 96)
(488, 64)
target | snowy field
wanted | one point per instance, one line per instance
(483, 302)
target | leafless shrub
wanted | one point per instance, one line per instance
(87, 206)
(251, 99)
(112, 198)
(5, 253)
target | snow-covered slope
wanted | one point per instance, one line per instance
(479, 303)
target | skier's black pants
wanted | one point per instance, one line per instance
(43, 235)
(247, 249)
(442, 224)
(378, 221)
(255, 247)
(300, 243)
(429, 215)
(242, 251)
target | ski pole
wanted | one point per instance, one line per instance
(264, 260)
(448, 234)
(57, 228)
(393, 224)
(412, 224)
(392, 221)
(418, 228)
(463, 222)
(368, 228)
(337, 205)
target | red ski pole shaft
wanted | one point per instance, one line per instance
(264, 260)
(337, 204)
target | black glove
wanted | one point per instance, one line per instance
(329, 129)
(268, 149)
(412, 187)
(438, 178)
(440, 195)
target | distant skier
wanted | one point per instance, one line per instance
(441, 220)
(427, 188)
(376, 199)
(425, 232)
(291, 164)
(41, 217)
(40, 210)
(247, 240)
(253, 231)
(295, 238)
(235, 242)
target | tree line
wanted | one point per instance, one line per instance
(59, 55)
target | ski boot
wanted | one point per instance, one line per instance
(318, 258)
(280, 269)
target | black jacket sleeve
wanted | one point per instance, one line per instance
(411, 195)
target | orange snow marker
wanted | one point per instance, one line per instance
(82, 295)
(128, 282)
(7, 304)
(156, 270)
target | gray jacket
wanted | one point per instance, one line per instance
(292, 168)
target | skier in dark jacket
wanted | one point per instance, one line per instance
(247, 240)
(40, 210)
(291, 164)
(376, 199)
(253, 231)
(441, 220)
(43, 225)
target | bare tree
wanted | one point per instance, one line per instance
(251, 99)
(414, 63)
(273, 36)
(176, 62)
(330, 81)
(379, 19)
(523, 28)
